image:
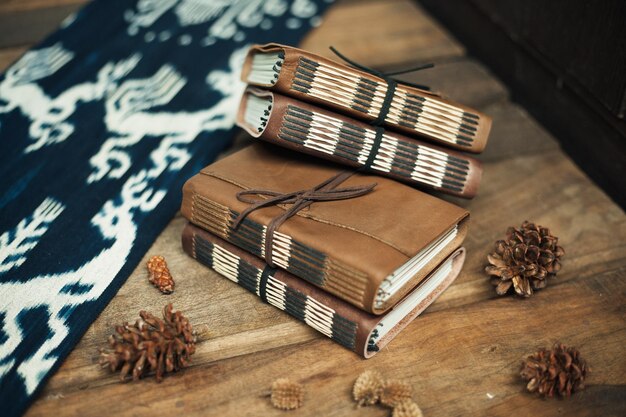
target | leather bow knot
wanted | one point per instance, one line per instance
(299, 200)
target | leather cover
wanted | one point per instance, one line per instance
(310, 129)
(342, 322)
(347, 247)
(312, 78)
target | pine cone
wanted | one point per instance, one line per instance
(367, 388)
(524, 260)
(561, 370)
(407, 408)
(150, 345)
(160, 275)
(394, 392)
(287, 395)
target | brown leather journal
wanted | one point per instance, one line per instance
(303, 127)
(366, 96)
(369, 250)
(364, 333)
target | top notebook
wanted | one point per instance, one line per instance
(365, 96)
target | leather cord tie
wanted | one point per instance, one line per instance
(391, 83)
(325, 191)
(265, 276)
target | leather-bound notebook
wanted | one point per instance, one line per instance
(352, 328)
(303, 127)
(368, 240)
(365, 95)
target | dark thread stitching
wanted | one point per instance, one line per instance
(265, 275)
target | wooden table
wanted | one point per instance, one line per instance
(463, 354)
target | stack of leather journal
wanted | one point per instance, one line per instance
(326, 222)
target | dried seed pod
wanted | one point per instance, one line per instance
(160, 275)
(407, 408)
(286, 394)
(559, 371)
(523, 262)
(367, 388)
(394, 392)
(150, 345)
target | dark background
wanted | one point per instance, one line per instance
(565, 61)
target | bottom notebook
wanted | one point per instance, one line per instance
(355, 329)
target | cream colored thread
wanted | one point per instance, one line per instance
(335, 280)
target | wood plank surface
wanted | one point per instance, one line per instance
(462, 355)
(28, 21)
(382, 33)
(10, 55)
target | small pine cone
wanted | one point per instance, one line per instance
(367, 388)
(287, 395)
(407, 408)
(559, 371)
(525, 260)
(160, 275)
(151, 345)
(394, 392)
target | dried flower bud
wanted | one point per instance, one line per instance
(394, 392)
(286, 394)
(560, 371)
(407, 408)
(160, 275)
(367, 388)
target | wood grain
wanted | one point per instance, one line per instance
(478, 87)
(11, 6)
(460, 360)
(462, 355)
(9, 56)
(24, 22)
(382, 34)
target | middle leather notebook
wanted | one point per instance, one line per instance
(314, 130)
(366, 239)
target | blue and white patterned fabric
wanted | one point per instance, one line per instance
(100, 126)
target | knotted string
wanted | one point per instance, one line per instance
(325, 191)
(391, 83)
